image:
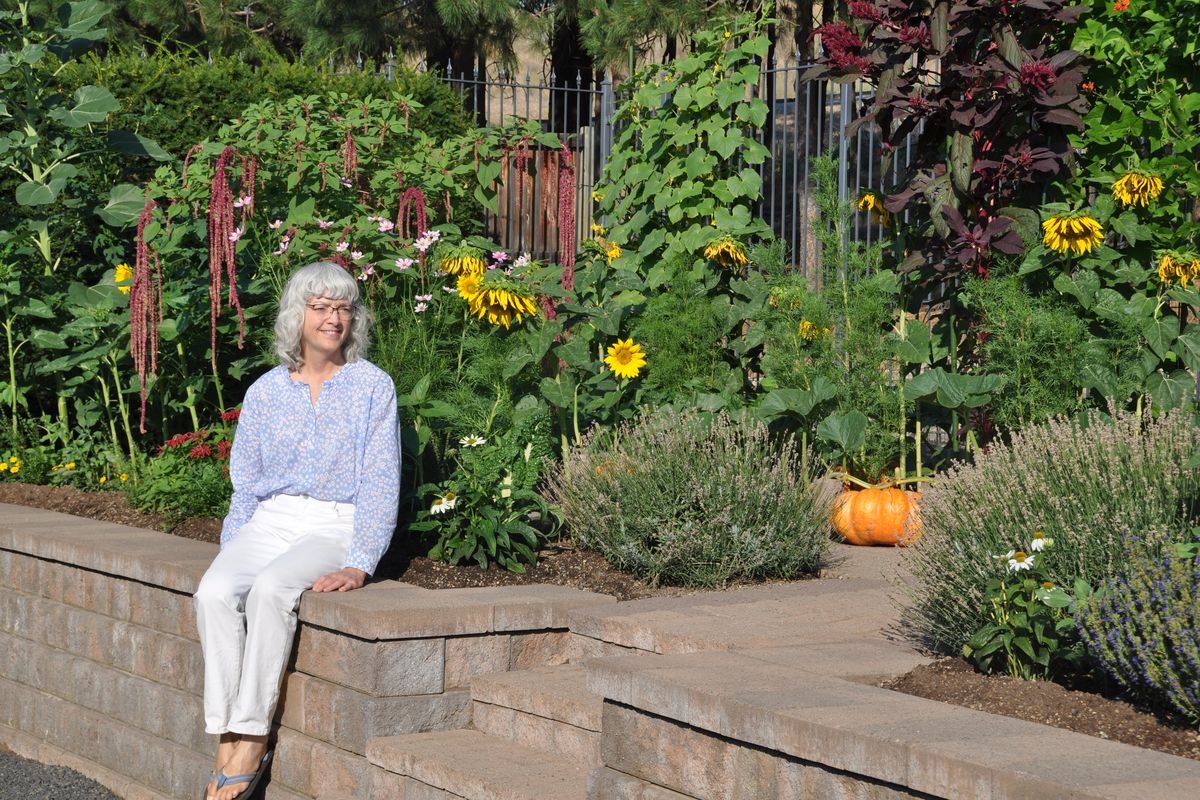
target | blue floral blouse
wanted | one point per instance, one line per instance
(345, 449)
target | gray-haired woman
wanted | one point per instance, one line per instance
(316, 472)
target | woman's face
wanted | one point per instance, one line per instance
(326, 327)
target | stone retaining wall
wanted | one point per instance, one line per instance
(101, 669)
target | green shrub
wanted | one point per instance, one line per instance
(188, 478)
(686, 498)
(1089, 483)
(1141, 627)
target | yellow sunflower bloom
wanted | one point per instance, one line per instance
(726, 251)
(1137, 188)
(874, 203)
(625, 358)
(1177, 267)
(502, 305)
(809, 331)
(122, 275)
(463, 260)
(1079, 233)
(612, 251)
(469, 285)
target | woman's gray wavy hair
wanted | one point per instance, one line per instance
(321, 279)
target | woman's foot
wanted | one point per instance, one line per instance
(245, 759)
(224, 751)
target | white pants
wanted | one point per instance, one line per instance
(247, 600)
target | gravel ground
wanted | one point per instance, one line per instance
(22, 779)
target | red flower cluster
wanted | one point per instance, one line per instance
(863, 9)
(200, 451)
(844, 47)
(1121, 5)
(223, 448)
(180, 439)
(1038, 75)
(231, 415)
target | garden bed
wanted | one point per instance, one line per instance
(1080, 707)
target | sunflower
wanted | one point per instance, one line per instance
(502, 301)
(121, 275)
(625, 358)
(874, 203)
(1182, 267)
(726, 251)
(612, 251)
(809, 331)
(1136, 188)
(463, 260)
(1080, 233)
(469, 285)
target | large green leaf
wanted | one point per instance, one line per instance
(134, 144)
(1187, 346)
(92, 104)
(1171, 391)
(36, 193)
(125, 203)
(1161, 333)
(846, 430)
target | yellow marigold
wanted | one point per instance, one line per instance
(1177, 267)
(612, 251)
(469, 285)
(122, 275)
(625, 358)
(874, 203)
(726, 251)
(1136, 188)
(1079, 233)
(463, 260)
(502, 304)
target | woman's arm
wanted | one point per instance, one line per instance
(377, 495)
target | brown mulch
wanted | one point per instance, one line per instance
(1089, 709)
(1095, 710)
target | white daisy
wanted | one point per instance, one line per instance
(443, 503)
(1019, 560)
(1039, 541)
(471, 441)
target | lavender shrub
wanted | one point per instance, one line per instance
(1142, 628)
(1089, 483)
(682, 498)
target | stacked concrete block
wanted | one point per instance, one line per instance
(100, 667)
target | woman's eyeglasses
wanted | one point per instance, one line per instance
(324, 310)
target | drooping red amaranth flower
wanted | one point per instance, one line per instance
(843, 47)
(864, 9)
(914, 35)
(222, 249)
(145, 307)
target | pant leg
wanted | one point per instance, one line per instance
(220, 613)
(322, 539)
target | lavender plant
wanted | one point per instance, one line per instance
(691, 499)
(1090, 482)
(1142, 627)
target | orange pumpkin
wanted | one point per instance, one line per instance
(877, 516)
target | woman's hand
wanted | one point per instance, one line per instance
(343, 580)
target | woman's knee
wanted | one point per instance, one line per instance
(218, 589)
(275, 592)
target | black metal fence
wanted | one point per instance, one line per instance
(805, 119)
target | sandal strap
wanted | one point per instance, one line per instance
(225, 780)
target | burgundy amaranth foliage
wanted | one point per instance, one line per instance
(145, 307)
(994, 101)
(249, 182)
(412, 204)
(350, 158)
(222, 248)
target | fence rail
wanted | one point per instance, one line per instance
(805, 119)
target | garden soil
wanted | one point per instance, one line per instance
(1088, 709)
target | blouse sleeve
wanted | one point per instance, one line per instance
(245, 467)
(377, 495)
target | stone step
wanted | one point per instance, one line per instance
(546, 708)
(471, 765)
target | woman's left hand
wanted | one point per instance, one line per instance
(343, 580)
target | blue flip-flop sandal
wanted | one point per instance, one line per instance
(250, 778)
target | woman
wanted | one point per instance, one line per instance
(316, 474)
